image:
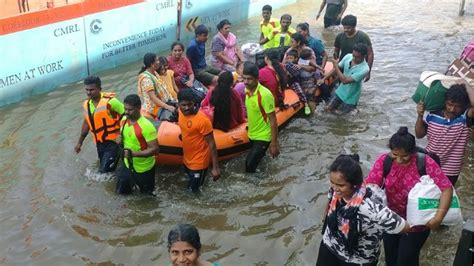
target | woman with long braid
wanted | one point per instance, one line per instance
(226, 102)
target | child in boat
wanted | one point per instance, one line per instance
(239, 85)
(302, 78)
(167, 75)
(237, 74)
(199, 147)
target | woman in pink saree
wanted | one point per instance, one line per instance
(225, 53)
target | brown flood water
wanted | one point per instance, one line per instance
(54, 210)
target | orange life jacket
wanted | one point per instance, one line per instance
(104, 123)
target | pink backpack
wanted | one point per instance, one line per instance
(468, 53)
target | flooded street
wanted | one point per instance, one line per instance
(55, 210)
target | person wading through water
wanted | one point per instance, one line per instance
(138, 136)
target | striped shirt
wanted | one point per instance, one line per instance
(448, 138)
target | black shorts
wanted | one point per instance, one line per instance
(108, 152)
(196, 178)
(126, 181)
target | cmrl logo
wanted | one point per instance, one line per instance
(96, 26)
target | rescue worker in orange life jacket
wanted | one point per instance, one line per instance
(102, 114)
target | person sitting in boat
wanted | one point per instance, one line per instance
(314, 43)
(199, 147)
(262, 123)
(239, 85)
(152, 88)
(301, 79)
(299, 44)
(355, 219)
(237, 74)
(102, 114)
(183, 72)
(184, 246)
(280, 36)
(267, 25)
(225, 53)
(355, 68)
(273, 76)
(224, 105)
(138, 137)
(167, 76)
(196, 54)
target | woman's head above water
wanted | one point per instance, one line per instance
(184, 245)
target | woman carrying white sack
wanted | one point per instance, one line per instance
(404, 174)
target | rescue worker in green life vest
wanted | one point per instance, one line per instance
(138, 136)
(102, 114)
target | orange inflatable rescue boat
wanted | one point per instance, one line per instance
(229, 144)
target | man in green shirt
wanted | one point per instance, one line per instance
(267, 25)
(346, 40)
(261, 118)
(140, 146)
(280, 36)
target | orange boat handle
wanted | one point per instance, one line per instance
(237, 139)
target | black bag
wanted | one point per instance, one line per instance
(167, 115)
(260, 59)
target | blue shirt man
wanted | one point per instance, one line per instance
(354, 69)
(196, 54)
(349, 93)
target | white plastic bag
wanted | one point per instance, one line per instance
(423, 203)
(454, 215)
(249, 51)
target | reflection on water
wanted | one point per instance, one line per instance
(56, 210)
